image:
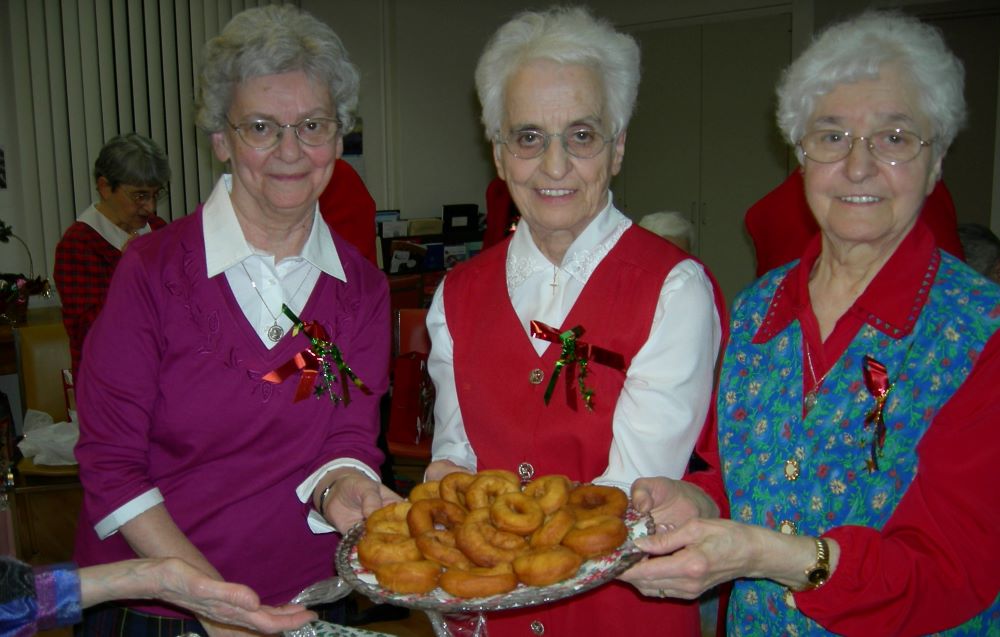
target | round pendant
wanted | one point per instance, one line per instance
(275, 332)
(809, 400)
(791, 469)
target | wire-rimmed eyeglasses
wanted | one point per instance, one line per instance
(892, 146)
(582, 142)
(265, 133)
(142, 197)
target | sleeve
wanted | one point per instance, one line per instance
(450, 441)
(39, 599)
(934, 565)
(116, 392)
(668, 387)
(81, 280)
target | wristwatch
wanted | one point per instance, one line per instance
(819, 572)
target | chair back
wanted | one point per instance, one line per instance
(411, 405)
(410, 331)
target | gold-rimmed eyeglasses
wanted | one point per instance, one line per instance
(142, 197)
(892, 146)
(582, 142)
(263, 134)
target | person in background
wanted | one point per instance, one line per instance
(857, 419)
(131, 174)
(43, 598)
(349, 209)
(672, 226)
(557, 89)
(982, 249)
(229, 395)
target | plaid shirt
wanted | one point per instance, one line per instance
(85, 262)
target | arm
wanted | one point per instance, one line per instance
(451, 449)
(668, 387)
(82, 281)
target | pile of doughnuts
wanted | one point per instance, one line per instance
(476, 535)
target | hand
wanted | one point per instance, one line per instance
(671, 502)
(440, 468)
(694, 557)
(354, 497)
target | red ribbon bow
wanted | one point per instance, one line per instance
(877, 381)
(306, 361)
(574, 352)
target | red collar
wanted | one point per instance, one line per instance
(892, 301)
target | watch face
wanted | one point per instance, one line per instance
(818, 575)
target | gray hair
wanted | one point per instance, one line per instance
(269, 41)
(565, 36)
(857, 49)
(981, 247)
(134, 160)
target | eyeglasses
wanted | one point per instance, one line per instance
(264, 133)
(892, 146)
(142, 197)
(579, 141)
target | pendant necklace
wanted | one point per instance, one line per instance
(275, 332)
(810, 398)
(554, 284)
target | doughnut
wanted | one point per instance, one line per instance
(484, 491)
(420, 576)
(479, 582)
(517, 513)
(453, 487)
(554, 529)
(590, 500)
(440, 547)
(486, 546)
(389, 519)
(381, 548)
(552, 492)
(425, 491)
(546, 566)
(476, 516)
(509, 476)
(596, 536)
(425, 515)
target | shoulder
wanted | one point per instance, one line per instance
(78, 232)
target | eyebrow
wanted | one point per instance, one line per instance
(895, 119)
(314, 114)
(592, 122)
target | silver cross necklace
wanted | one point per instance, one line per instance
(275, 332)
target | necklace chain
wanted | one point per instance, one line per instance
(812, 395)
(275, 332)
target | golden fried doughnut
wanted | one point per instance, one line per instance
(453, 487)
(542, 567)
(484, 490)
(554, 529)
(426, 491)
(439, 545)
(389, 519)
(552, 492)
(381, 548)
(479, 582)
(516, 513)
(419, 576)
(591, 500)
(487, 546)
(596, 536)
(509, 476)
(475, 516)
(426, 515)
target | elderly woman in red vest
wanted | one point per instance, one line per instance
(557, 89)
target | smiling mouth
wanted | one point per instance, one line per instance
(861, 199)
(554, 192)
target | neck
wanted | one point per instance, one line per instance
(281, 236)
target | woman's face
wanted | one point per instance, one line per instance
(287, 179)
(128, 207)
(859, 199)
(557, 191)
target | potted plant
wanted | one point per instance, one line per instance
(16, 288)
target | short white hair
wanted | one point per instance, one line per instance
(668, 224)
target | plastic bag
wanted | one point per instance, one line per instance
(48, 443)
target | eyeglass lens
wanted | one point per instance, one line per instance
(892, 146)
(264, 133)
(582, 142)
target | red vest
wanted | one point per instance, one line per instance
(508, 422)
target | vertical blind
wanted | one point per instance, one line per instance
(87, 70)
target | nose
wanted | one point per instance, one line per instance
(860, 163)
(555, 160)
(289, 147)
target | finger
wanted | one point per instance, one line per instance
(642, 499)
(660, 543)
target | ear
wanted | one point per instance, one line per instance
(340, 147)
(220, 145)
(619, 153)
(104, 188)
(498, 160)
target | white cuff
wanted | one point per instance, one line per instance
(317, 523)
(131, 509)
